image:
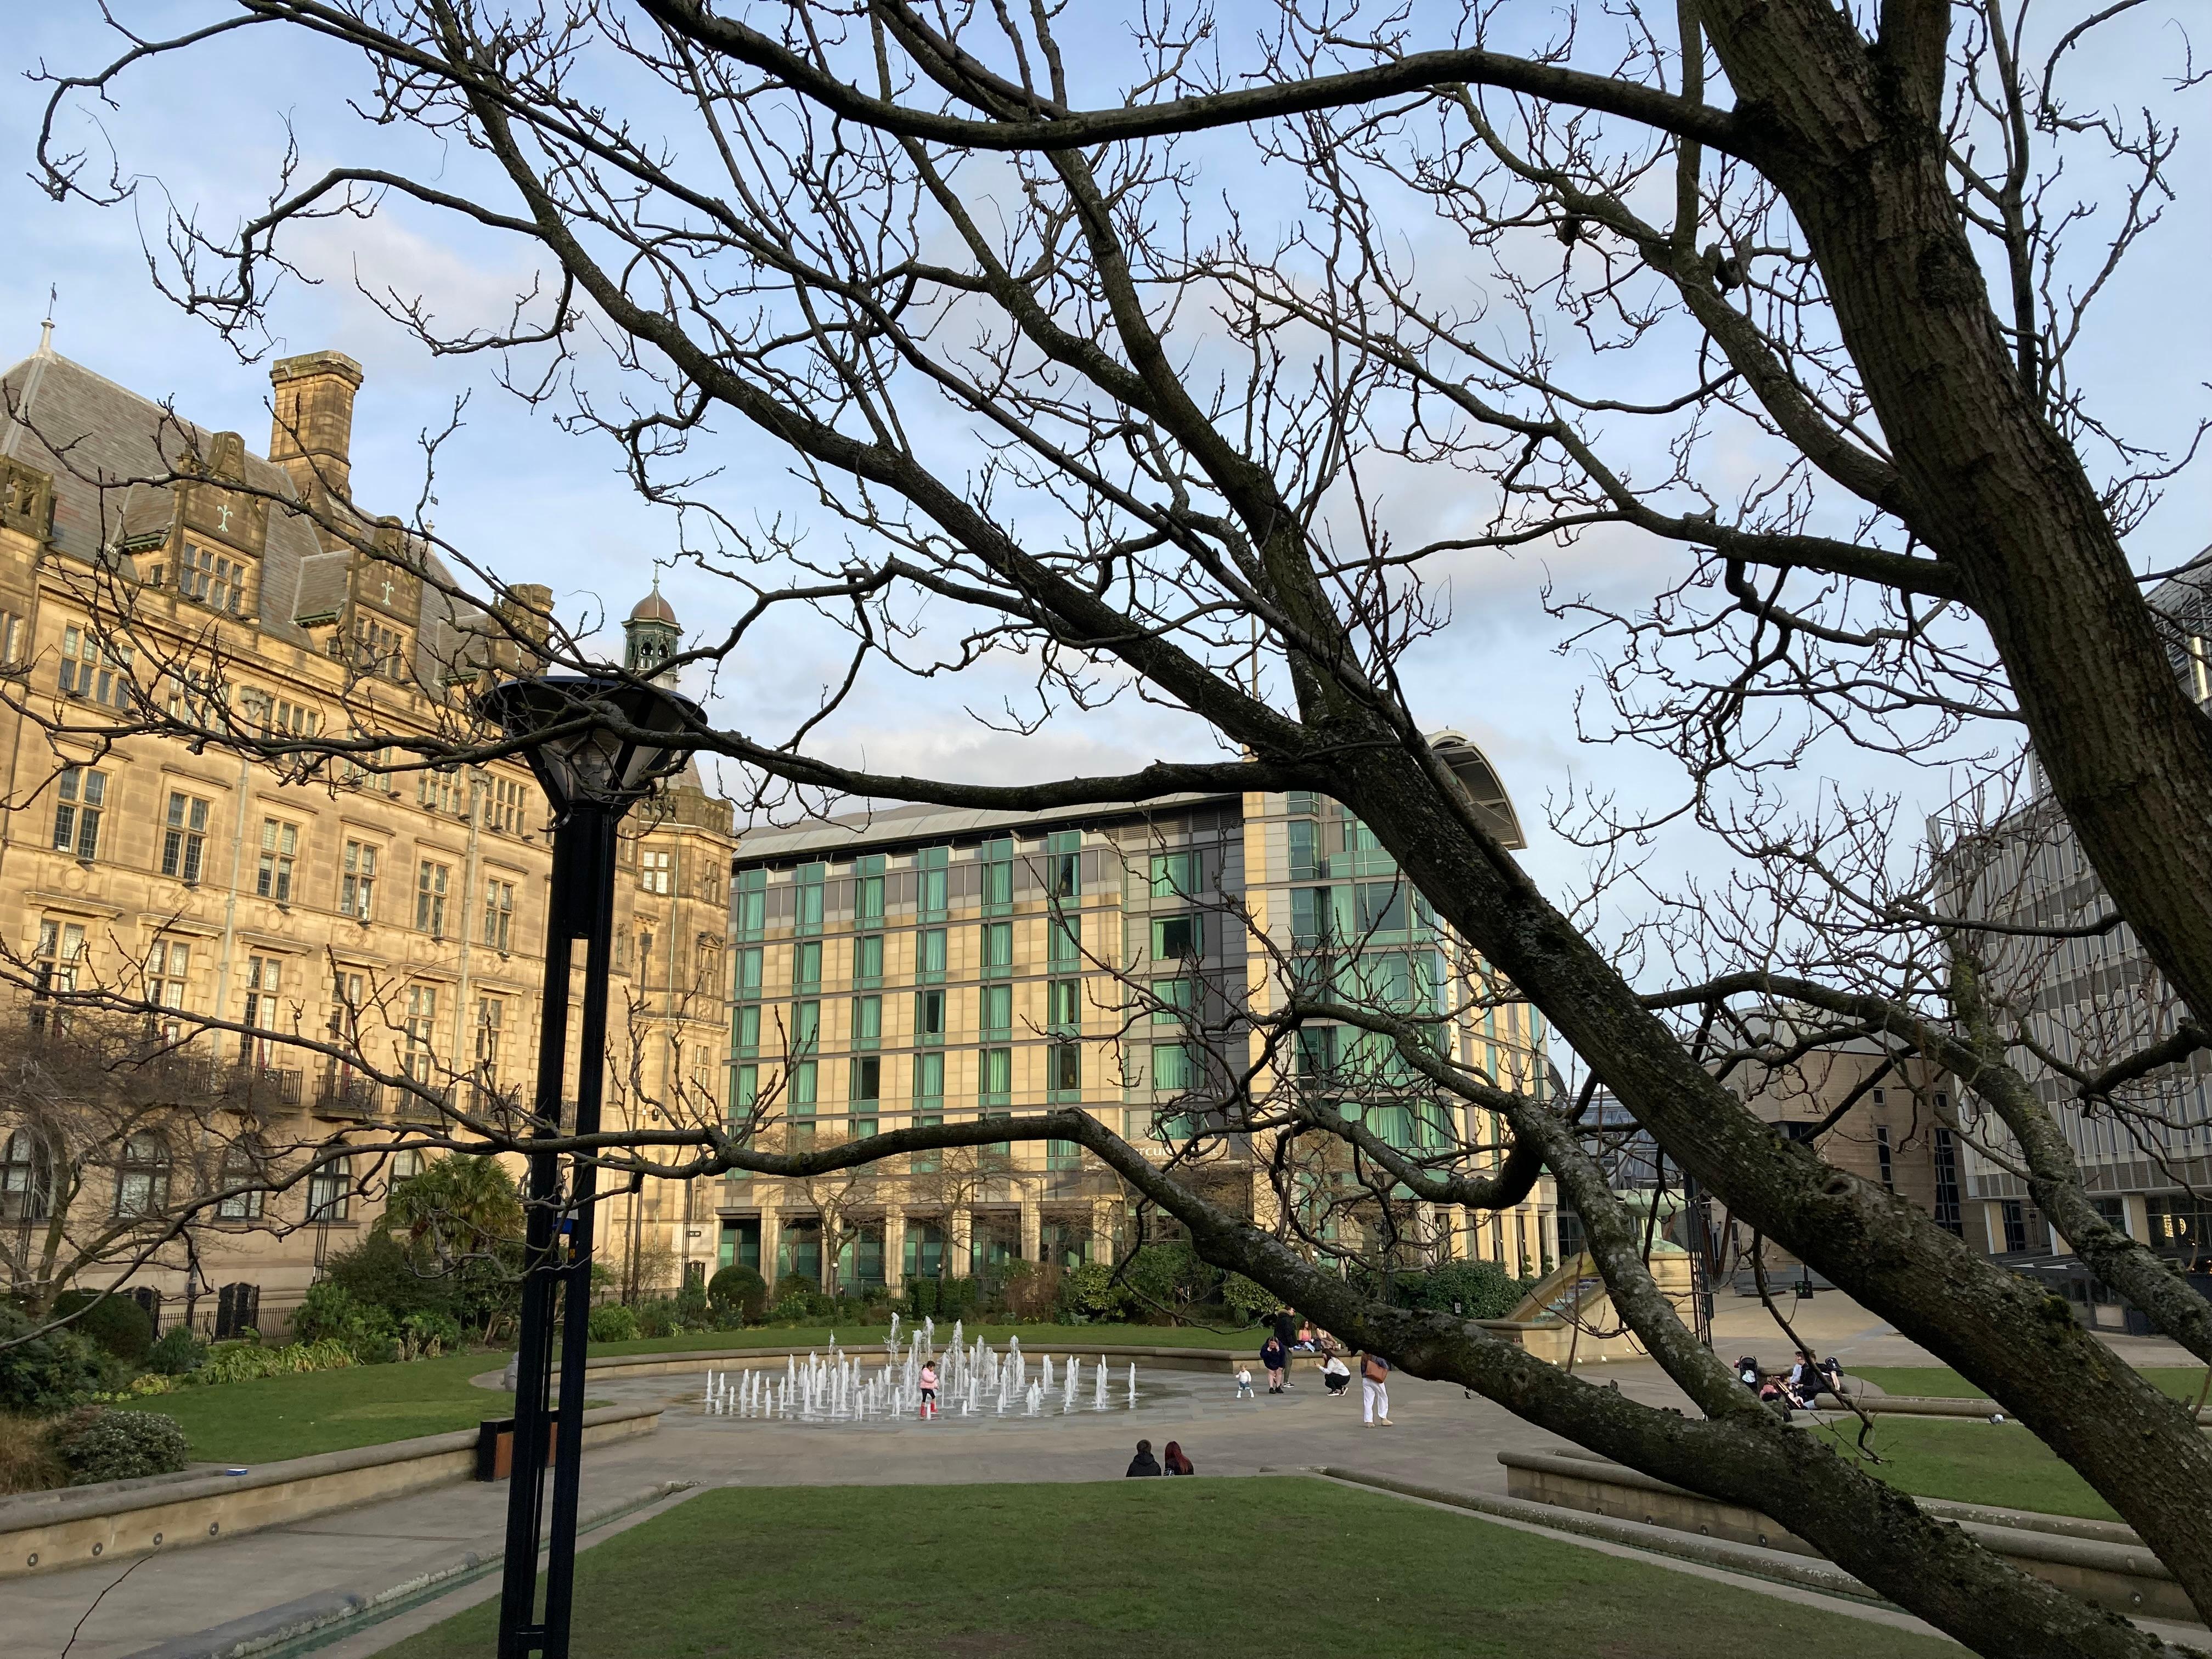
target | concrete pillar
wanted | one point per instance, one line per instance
(771, 1240)
(1032, 1229)
(2136, 1217)
(958, 1245)
(894, 1249)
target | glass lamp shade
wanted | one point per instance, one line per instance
(590, 762)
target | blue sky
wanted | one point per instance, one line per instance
(542, 504)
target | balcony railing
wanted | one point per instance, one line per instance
(348, 1095)
(266, 1087)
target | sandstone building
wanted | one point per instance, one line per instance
(151, 569)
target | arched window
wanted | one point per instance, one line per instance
(328, 1190)
(27, 1177)
(141, 1175)
(243, 1161)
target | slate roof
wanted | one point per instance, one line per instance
(105, 446)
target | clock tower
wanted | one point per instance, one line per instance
(651, 636)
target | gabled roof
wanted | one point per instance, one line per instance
(105, 445)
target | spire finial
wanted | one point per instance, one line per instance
(47, 328)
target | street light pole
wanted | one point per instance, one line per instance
(591, 776)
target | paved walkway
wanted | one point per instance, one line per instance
(1443, 1436)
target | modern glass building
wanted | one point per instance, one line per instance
(922, 965)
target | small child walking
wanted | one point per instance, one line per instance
(929, 1388)
(1244, 1382)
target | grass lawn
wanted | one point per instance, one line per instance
(1167, 1569)
(1942, 1383)
(1037, 1339)
(273, 1418)
(1974, 1462)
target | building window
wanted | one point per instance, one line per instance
(240, 1176)
(1881, 1156)
(184, 840)
(928, 1017)
(377, 649)
(1177, 938)
(806, 1027)
(998, 878)
(1063, 939)
(866, 1093)
(348, 990)
(749, 970)
(61, 949)
(868, 960)
(1174, 875)
(749, 905)
(996, 1011)
(997, 1076)
(212, 578)
(868, 891)
(296, 720)
(330, 1190)
(80, 798)
(1175, 1002)
(418, 1054)
(1064, 1006)
(498, 913)
(1064, 1069)
(2013, 1214)
(656, 870)
(1381, 908)
(357, 881)
(438, 792)
(265, 982)
(806, 1082)
(431, 881)
(998, 949)
(280, 847)
(929, 955)
(867, 1021)
(930, 895)
(89, 671)
(491, 1027)
(26, 1177)
(167, 965)
(1171, 1068)
(806, 898)
(1307, 863)
(11, 640)
(1948, 1210)
(502, 807)
(746, 1039)
(1063, 874)
(141, 1175)
(806, 965)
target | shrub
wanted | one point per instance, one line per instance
(1090, 1292)
(331, 1313)
(1483, 1290)
(657, 1318)
(113, 1320)
(612, 1322)
(28, 1462)
(425, 1335)
(1170, 1279)
(112, 1445)
(48, 1373)
(178, 1353)
(242, 1361)
(797, 1296)
(1248, 1301)
(1032, 1289)
(692, 1309)
(737, 1294)
(922, 1296)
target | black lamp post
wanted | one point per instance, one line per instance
(591, 774)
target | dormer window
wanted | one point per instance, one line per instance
(378, 649)
(212, 578)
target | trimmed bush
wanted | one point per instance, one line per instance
(114, 1322)
(178, 1353)
(48, 1373)
(111, 1445)
(612, 1322)
(739, 1296)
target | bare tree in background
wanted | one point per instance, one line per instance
(1833, 242)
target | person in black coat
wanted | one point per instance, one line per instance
(1274, 1358)
(1144, 1462)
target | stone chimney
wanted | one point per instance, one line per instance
(312, 434)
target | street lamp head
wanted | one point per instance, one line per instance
(583, 759)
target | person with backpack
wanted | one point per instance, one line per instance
(1375, 1389)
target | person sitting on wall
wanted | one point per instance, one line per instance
(1144, 1462)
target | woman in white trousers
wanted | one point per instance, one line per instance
(1375, 1389)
